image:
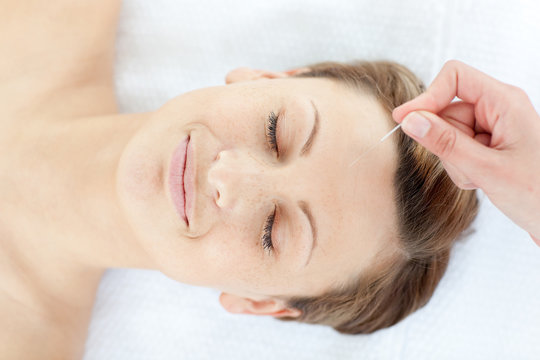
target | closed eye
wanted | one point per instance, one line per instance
(266, 240)
(271, 126)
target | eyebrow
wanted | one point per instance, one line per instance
(309, 142)
(304, 206)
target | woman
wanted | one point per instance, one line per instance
(246, 188)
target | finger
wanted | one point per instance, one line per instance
(454, 79)
(484, 139)
(451, 145)
(461, 115)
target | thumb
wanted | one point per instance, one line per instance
(450, 144)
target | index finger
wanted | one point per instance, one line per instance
(455, 79)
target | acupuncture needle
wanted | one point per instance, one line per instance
(375, 145)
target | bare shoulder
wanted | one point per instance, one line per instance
(53, 45)
(24, 335)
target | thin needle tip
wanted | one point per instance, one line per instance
(390, 133)
(375, 145)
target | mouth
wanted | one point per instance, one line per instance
(181, 178)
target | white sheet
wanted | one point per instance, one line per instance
(486, 306)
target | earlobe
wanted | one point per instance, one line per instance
(240, 74)
(241, 305)
(233, 304)
(248, 74)
(297, 71)
(287, 312)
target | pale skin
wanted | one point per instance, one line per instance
(83, 188)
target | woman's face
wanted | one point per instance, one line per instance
(330, 219)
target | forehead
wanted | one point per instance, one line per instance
(354, 205)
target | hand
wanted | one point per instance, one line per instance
(488, 140)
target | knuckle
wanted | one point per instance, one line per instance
(517, 99)
(445, 143)
(518, 92)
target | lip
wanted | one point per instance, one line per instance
(181, 179)
(189, 180)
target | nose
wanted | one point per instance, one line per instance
(238, 176)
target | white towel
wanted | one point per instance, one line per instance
(487, 304)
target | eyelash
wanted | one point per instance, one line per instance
(267, 233)
(271, 126)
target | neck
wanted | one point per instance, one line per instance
(61, 225)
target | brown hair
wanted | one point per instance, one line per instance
(431, 214)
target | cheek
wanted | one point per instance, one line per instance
(236, 123)
(235, 131)
(234, 261)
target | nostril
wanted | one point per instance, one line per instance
(216, 198)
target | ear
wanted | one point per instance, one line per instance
(249, 74)
(242, 305)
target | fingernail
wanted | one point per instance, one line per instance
(416, 125)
